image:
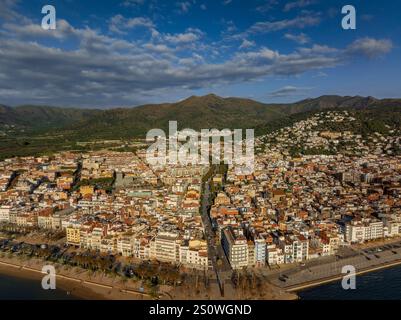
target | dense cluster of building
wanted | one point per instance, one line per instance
(292, 209)
(333, 132)
(151, 213)
(288, 210)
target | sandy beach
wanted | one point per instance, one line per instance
(81, 292)
(84, 285)
(79, 284)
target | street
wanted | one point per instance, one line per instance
(216, 252)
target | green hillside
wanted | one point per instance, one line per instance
(26, 130)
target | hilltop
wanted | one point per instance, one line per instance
(27, 129)
(195, 112)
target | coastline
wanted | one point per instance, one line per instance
(84, 289)
(91, 290)
(367, 258)
(323, 281)
(82, 286)
(78, 292)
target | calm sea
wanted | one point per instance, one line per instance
(24, 289)
(380, 285)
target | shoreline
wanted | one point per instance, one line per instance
(312, 284)
(19, 272)
(91, 290)
(82, 289)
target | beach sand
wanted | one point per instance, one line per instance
(76, 290)
(86, 286)
(80, 284)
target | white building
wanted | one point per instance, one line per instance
(5, 213)
(125, 246)
(260, 252)
(236, 247)
(166, 247)
(295, 248)
(274, 255)
(361, 231)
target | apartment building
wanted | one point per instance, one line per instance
(108, 244)
(166, 247)
(251, 254)
(73, 236)
(274, 255)
(95, 238)
(392, 227)
(5, 213)
(125, 246)
(360, 231)
(197, 259)
(235, 246)
(260, 252)
(26, 220)
(45, 218)
(295, 248)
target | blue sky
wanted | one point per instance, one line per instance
(129, 52)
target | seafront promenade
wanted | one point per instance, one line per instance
(314, 274)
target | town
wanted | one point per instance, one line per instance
(292, 209)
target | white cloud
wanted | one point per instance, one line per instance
(63, 30)
(370, 47)
(301, 38)
(133, 3)
(267, 6)
(191, 35)
(299, 22)
(159, 48)
(289, 91)
(297, 4)
(104, 70)
(321, 74)
(118, 23)
(247, 44)
(7, 9)
(184, 6)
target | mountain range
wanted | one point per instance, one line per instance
(208, 111)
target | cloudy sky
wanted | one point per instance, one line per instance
(128, 52)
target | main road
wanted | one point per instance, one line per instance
(216, 252)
